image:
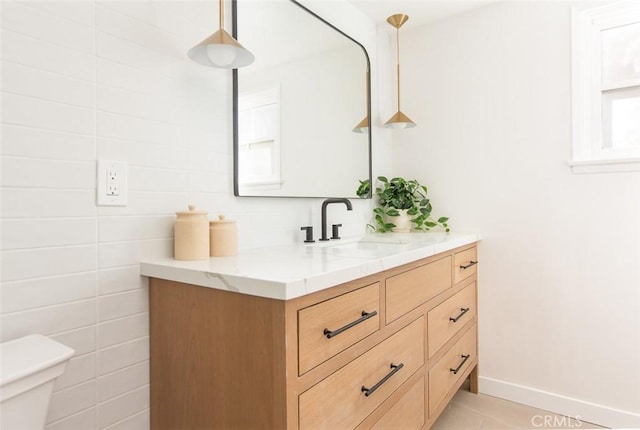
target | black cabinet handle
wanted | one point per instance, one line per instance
(365, 316)
(471, 263)
(464, 360)
(462, 312)
(394, 369)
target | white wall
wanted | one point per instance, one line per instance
(86, 80)
(560, 275)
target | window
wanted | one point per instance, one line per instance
(606, 88)
(259, 140)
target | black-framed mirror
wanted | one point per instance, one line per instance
(296, 107)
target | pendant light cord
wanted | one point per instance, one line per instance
(221, 23)
(398, 62)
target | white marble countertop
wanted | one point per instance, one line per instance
(287, 272)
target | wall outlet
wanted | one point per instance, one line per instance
(112, 183)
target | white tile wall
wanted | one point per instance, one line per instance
(83, 80)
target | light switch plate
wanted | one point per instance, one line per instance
(112, 183)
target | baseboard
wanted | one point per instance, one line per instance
(570, 407)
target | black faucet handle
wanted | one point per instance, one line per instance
(334, 231)
(309, 237)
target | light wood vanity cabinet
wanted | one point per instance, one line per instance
(387, 351)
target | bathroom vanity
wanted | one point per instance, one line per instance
(372, 333)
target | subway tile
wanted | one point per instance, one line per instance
(42, 25)
(121, 330)
(45, 203)
(78, 11)
(39, 262)
(125, 127)
(207, 122)
(33, 112)
(80, 369)
(40, 292)
(140, 105)
(72, 400)
(82, 341)
(209, 183)
(120, 279)
(127, 77)
(84, 420)
(148, 203)
(120, 228)
(40, 54)
(156, 179)
(120, 408)
(49, 320)
(211, 202)
(43, 173)
(167, 63)
(210, 161)
(122, 381)
(138, 421)
(34, 233)
(199, 15)
(117, 254)
(37, 143)
(142, 153)
(168, 16)
(122, 305)
(54, 87)
(123, 355)
(135, 30)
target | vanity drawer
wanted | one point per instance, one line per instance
(407, 413)
(465, 264)
(442, 377)
(330, 327)
(410, 289)
(339, 402)
(446, 319)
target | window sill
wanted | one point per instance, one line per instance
(606, 166)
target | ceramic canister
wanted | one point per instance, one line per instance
(223, 237)
(191, 235)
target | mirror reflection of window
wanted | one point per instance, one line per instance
(259, 140)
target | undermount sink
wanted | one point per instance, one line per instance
(366, 246)
(377, 239)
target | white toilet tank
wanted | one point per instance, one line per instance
(29, 367)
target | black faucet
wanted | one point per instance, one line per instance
(324, 213)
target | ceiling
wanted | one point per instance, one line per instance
(419, 11)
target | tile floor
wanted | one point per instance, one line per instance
(470, 412)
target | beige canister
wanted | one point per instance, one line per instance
(191, 231)
(223, 237)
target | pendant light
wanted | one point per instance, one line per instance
(363, 126)
(398, 120)
(221, 50)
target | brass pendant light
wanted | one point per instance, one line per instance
(221, 50)
(399, 120)
(363, 126)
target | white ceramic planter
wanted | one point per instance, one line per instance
(402, 222)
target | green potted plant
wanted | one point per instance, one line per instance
(403, 206)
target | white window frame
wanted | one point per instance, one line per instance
(254, 100)
(589, 156)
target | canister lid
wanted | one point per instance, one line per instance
(192, 211)
(222, 220)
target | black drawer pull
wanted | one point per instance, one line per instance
(464, 360)
(462, 312)
(471, 263)
(394, 369)
(365, 316)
